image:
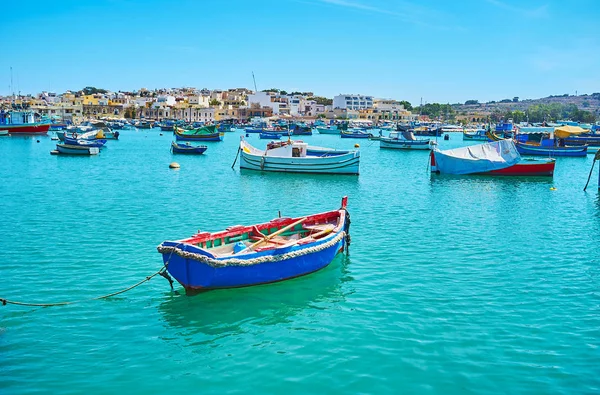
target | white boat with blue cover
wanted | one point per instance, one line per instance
(292, 157)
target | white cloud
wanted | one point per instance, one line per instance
(539, 12)
(402, 10)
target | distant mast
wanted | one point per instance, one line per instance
(254, 79)
(12, 90)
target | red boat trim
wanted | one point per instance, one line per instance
(526, 169)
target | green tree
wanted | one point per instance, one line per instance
(471, 102)
(436, 110)
(214, 102)
(407, 105)
(90, 90)
(322, 100)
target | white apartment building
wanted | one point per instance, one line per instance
(295, 104)
(166, 99)
(353, 102)
(199, 100)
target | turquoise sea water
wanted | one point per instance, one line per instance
(452, 285)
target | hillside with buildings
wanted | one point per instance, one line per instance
(586, 107)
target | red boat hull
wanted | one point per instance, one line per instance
(526, 169)
(31, 128)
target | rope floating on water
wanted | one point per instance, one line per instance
(162, 272)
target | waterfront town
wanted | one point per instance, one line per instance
(241, 104)
(208, 106)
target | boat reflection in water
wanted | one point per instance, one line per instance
(227, 312)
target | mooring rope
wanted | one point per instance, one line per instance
(596, 157)
(162, 272)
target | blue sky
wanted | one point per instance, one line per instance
(438, 50)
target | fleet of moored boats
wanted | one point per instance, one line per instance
(289, 247)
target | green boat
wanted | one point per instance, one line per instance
(204, 133)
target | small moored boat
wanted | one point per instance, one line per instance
(551, 150)
(270, 136)
(496, 158)
(240, 256)
(187, 148)
(293, 157)
(550, 147)
(66, 149)
(22, 122)
(405, 140)
(354, 134)
(477, 135)
(204, 133)
(99, 143)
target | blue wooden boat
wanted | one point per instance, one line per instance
(240, 256)
(58, 126)
(584, 139)
(354, 134)
(270, 136)
(99, 143)
(226, 126)
(551, 150)
(300, 129)
(504, 127)
(187, 148)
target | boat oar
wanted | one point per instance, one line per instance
(269, 237)
(596, 157)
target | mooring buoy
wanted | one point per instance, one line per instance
(174, 165)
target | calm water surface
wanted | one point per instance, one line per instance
(452, 284)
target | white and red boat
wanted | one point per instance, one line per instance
(22, 122)
(498, 158)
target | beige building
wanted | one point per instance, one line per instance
(62, 111)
